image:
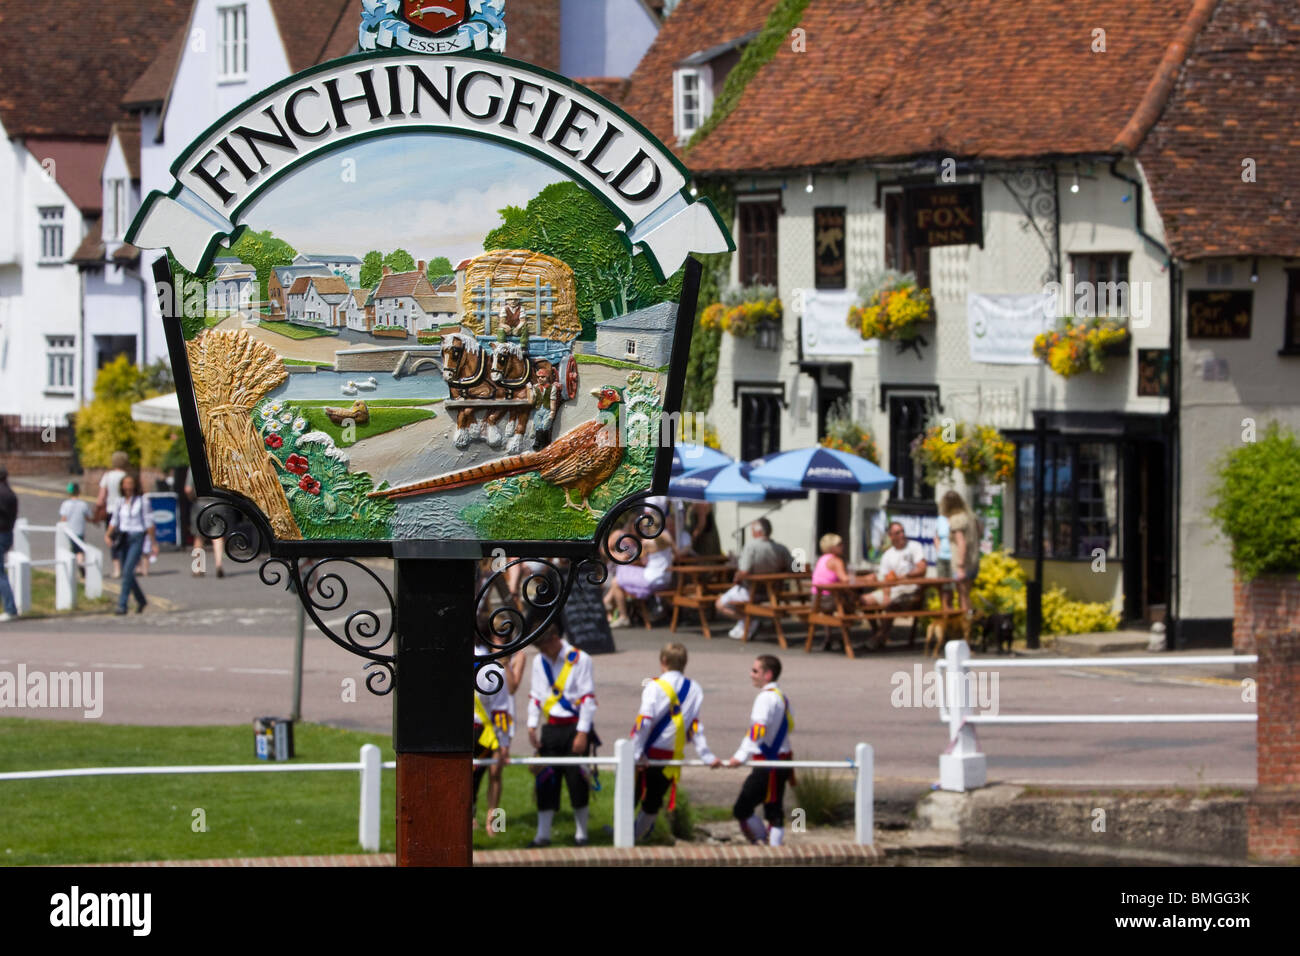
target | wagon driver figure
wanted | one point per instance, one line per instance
(513, 321)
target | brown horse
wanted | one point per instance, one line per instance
(464, 369)
(516, 374)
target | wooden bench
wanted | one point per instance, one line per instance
(697, 588)
(777, 596)
(847, 613)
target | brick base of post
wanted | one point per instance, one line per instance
(1273, 817)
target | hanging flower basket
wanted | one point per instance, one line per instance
(844, 434)
(979, 452)
(894, 306)
(743, 311)
(1076, 346)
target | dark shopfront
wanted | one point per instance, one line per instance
(1106, 491)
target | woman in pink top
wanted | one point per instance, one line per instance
(830, 569)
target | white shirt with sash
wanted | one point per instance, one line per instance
(770, 727)
(499, 707)
(577, 698)
(655, 731)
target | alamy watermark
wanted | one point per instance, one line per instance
(977, 689)
(55, 690)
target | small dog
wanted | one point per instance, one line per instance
(999, 629)
(937, 633)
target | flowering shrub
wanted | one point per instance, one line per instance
(1000, 589)
(893, 307)
(844, 434)
(1074, 347)
(743, 310)
(978, 452)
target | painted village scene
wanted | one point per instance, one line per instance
(488, 364)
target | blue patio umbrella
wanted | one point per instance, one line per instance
(688, 457)
(725, 483)
(821, 469)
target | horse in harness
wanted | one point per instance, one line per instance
(515, 373)
(465, 370)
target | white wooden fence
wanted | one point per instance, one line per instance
(19, 563)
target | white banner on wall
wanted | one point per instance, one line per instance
(825, 325)
(1002, 327)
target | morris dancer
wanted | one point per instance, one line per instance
(768, 739)
(668, 718)
(494, 725)
(563, 691)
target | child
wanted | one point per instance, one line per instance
(75, 513)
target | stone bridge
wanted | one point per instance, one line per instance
(401, 360)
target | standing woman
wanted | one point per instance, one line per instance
(133, 522)
(110, 496)
(964, 532)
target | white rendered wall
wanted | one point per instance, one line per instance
(604, 37)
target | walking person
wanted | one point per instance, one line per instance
(74, 512)
(564, 693)
(669, 718)
(133, 523)
(770, 724)
(110, 496)
(965, 531)
(8, 515)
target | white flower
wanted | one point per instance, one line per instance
(299, 425)
(312, 438)
(287, 417)
(266, 411)
(272, 425)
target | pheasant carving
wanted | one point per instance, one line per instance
(580, 460)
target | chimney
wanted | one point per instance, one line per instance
(420, 267)
(387, 271)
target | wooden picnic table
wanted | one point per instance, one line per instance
(848, 612)
(697, 586)
(776, 596)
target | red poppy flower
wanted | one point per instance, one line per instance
(297, 464)
(274, 441)
(309, 485)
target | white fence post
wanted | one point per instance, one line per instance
(864, 795)
(65, 570)
(19, 568)
(370, 777)
(624, 794)
(94, 582)
(21, 543)
(961, 766)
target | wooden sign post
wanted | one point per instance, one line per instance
(421, 378)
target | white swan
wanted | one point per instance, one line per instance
(369, 385)
(350, 388)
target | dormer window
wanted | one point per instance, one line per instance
(232, 52)
(692, 100)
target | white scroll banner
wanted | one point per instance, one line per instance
(1002, 327)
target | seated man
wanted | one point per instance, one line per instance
(905, 559)
(761, 555)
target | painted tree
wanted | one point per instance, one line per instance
(372, 269)
(399, 260)
(567, 222)
(441, 266)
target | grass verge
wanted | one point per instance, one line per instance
(381, 420)
(291, 331)
(43, 597)
(584, 358)
(126, 818)
(371, 402)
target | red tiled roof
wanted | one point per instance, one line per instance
(884, 80)
(67, 64)
(150, 87)
(694, 25)
(612, 88)
(77, 165)
(91, 249)
(1237, 97)
(329, 285)
(300, 285)
(403, 283)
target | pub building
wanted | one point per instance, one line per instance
(1102, 168)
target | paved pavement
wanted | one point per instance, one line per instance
(225, 656)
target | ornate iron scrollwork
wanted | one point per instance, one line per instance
(322, 588)
(1034, 190)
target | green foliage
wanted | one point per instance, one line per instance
(105, 425)
(706, 341)
(1000, 589)
(338, 507)
(177, 455)
(399, 260)
(682, 817)
(567, 222)
(439, 266)
(372, 269)
(784, 17)
(263, 252)
(381, 420)
(824, 797)
(1257, 503)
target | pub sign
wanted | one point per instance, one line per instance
(944, 215)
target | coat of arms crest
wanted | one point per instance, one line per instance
(433, 26)
(433, 17)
